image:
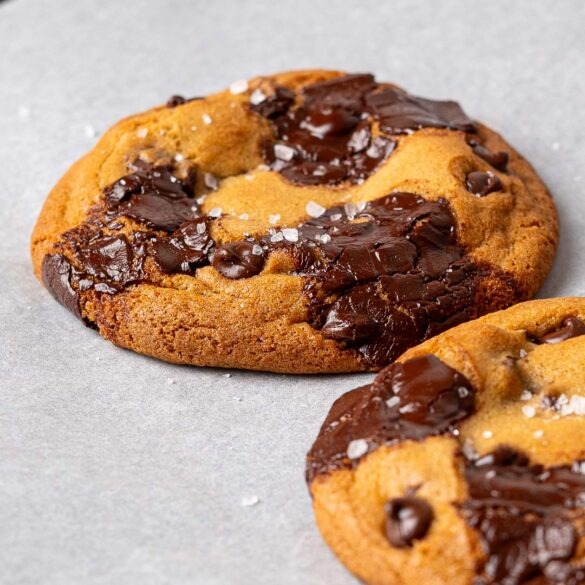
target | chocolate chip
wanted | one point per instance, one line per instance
(498, 160)
(570, 327)
(482, 184)
(239, 259)
(108, 259)
(522, 514)
(408, 400)
(273, 101)
(407, 519)
(56, 276)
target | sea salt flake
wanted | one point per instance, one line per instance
(194, 128)
(538, 434)
(249, 501)
(528, 411)
(257, 250)
(277, 237)
(142, 132)
(336, 217)
(463, 392)
(393, 401)
(407, 408)
(210, 181)
(526, 395)
(201, 227)
(179, 157)
(325, 238)
(263, 167)
(90, 131)
(283, 152)
(215, 212)
(243, 216)
(206, 119)
(274, 218)
(488, 434)
(523, 353)
(357, 448)
(313, 209)
(291, 234)
(350, 210)
(578, 405)
(257, 97)
(239, 86)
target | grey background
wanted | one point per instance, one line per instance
(109, 474)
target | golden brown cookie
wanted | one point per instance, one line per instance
(463, 463)
(303, 222)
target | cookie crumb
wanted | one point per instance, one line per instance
(357, 448)
(239, 86)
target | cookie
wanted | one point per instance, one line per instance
(463, 463)
(302, 222)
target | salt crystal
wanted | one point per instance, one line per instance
(257, 97)
(206, 119)
(407, 408)
(201, 227)
(469, 450)
(243, 216)
(142, 132)
(314, 209)
(578, 404)
(523, 353)
(361, 205)
(463, 392)
(263, 167)
(248, 177)
(526, 395)
(283, 152)
(215, 212)
(357, 448)
(90, 131)
(350, 210)
(538, 434)
(179, 157)
(336, 217)
(248, 501)
(257, 250)
(325, 238)
(393, 401)
(291, 234)
(528, 411)
(488, 434)
(210, 181)
(579, 467)
(194, 128)
(239, 86)
(277, 237)
(274, 219)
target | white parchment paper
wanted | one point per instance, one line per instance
(118, 469)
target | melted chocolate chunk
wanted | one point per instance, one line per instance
(328, 137)
(399, 112)
(407, 519)
(57, 279)
(498, 160)
(570, 327)
(410, 400)
(482, 184)
(175, 100)
(152, 194)
(524, 515)
(239, 259)
(383, 277)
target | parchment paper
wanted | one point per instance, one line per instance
(118, 469)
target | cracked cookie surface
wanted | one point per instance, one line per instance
(302, 222)
(463, 463)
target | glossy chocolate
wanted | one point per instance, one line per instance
(525, 515)
(407, 401)
(57, 278)
(408, 519)
(328, 135)
(482, 184)
(570, 327)
(498, 160)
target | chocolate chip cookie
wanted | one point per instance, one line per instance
(303, 222)
(463, 463)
